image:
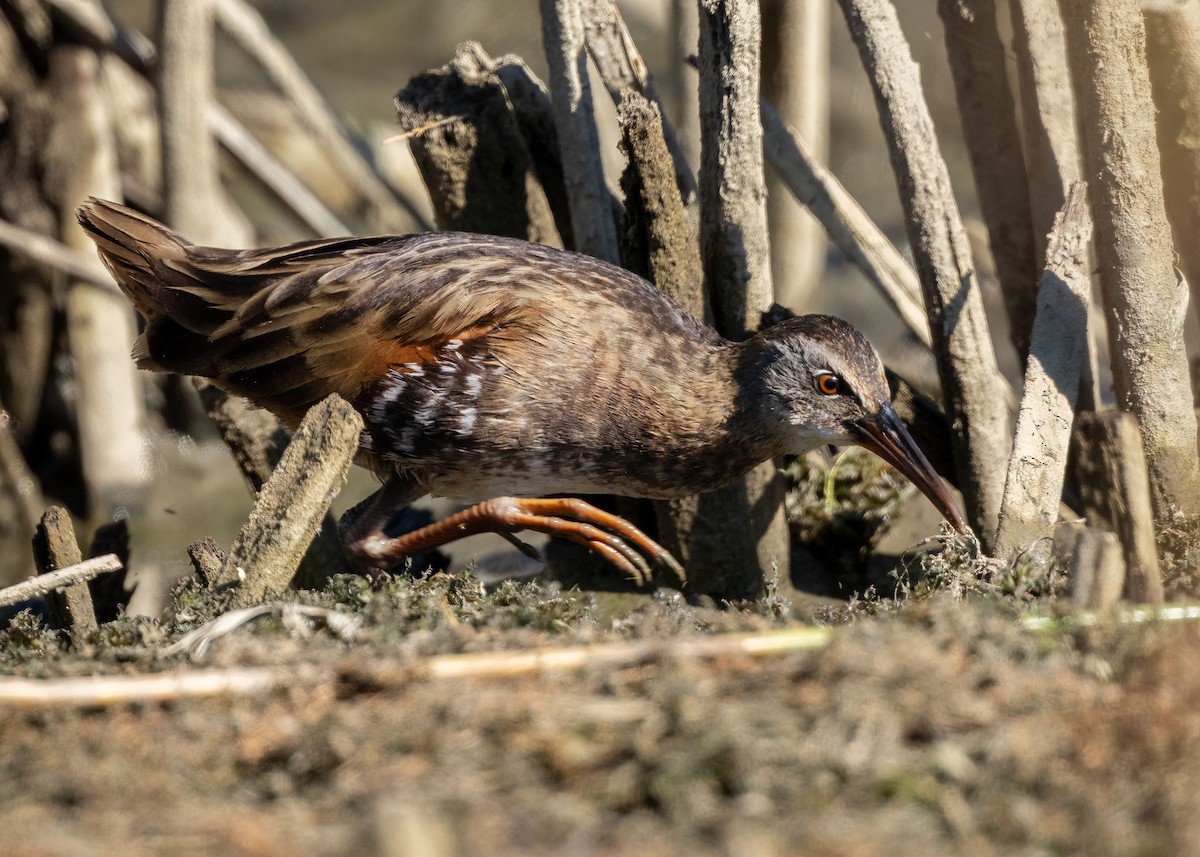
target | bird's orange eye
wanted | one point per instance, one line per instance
(829, 384)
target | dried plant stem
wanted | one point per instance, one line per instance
(280, 181)
(850, 228)
(391, 211)
(44, 584)
(733, 219)
(1173, 49)
(185, 89)
(88, 21)
(100, 324)
(80, 267)
(1047, 111)
(621, 68)
(1051, 140)
(747, 533)
(18, 481)
(972, 386)
(989, 123)
(795, 79)
(1114, 490)
(534, 111)
(119, 690)
(1145, 300)
(564, 39)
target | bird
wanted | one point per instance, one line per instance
(506, 374)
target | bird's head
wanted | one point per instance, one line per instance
(823, 383)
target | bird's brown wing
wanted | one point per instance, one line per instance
(286, 327)
(332, 317)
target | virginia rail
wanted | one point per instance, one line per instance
(487, 366)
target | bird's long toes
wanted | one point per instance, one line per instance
(639, 573)
(583, 512)
(608, 544)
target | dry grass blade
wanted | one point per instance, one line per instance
(567, 658)
(120, 690)
(296, 616)
(117, 690)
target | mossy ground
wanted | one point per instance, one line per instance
(936, 727)
(932, 723)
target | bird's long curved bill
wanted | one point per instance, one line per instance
(887, 437)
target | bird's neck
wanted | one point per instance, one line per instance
(720, 430)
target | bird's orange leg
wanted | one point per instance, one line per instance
(361, 528)
(606, 534)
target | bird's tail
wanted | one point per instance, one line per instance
(135, 249)
(157, 271)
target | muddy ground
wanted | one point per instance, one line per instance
(941, 726)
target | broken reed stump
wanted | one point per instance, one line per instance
(657, 241)
(257, 440)
(531, 105)
(1095, 569)
(267, 552)
(1057, 349)
(55, 548)
(468, 145)
(1110, 469)
(207, 559)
